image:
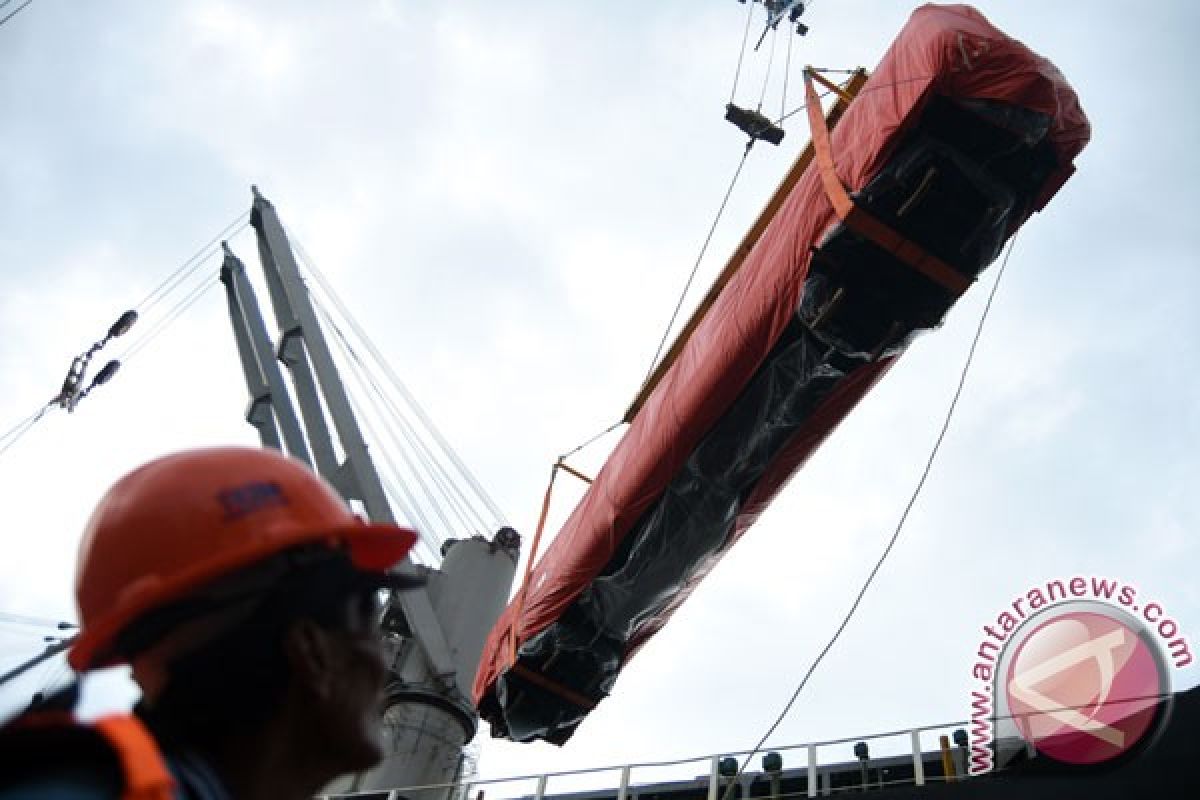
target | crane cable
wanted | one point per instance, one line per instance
(36, 622)
(787, 71)
(363, 377)
(174, 313)
(428, 530)
(177, 279)
(737, 73)
(157, 295)
(937, 444)
(189, 266)
(762, 98)
(398, 492)
(437, 472)
(389, 373)
(699, 258)
(18, 10)
(21, 428)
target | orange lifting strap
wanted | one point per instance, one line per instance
(145, 771)
(536, 678)
(858, 219)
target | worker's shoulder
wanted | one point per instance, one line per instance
(69, 783)
(63, 762)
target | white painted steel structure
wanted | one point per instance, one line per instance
(439, 630)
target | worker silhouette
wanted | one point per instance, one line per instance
(246, 597)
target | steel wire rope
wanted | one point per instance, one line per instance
(21, 638)
(176, 311)
(57, 669)
(398, 493)
(787, 72)
(432, 532)
(438, 473)
(367, 383)
(355, 366)
(397, 489)
(699, 258)
(417, 440)
(396, 474)
(860, 93)
(937, 444)
(737, 73)
(398, 384)
(450, 490)
(595, 438)
(762, 98)
(18, 10)
(16, 660)
(188, 267)
(802, 107)
(35, 622)
(22, 428)
(682, 295)
(176, 278)
(18, 429)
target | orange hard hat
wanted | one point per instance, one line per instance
(184, 520)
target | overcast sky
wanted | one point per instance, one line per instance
(509, 197)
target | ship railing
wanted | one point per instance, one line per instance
(916, 756)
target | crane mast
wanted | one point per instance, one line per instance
(433, 635)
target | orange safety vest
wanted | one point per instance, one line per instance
(144, 771)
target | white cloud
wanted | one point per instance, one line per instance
(509, 198)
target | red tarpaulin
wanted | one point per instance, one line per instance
(957, 137)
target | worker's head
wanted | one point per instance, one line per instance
(240, 587)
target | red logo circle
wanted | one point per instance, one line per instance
(1084, 687)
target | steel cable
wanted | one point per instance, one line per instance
(188, 267)
(380, 402)
(359, 373)
(903, 517)
(699, 259)
(737, 73)
(401, 388)
(18, 10)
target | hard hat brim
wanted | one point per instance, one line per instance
(374, 549)
(378, 548)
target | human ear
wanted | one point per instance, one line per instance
(310, 657)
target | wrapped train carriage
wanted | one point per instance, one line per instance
(958, 136)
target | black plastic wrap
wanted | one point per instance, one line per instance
(958, 184)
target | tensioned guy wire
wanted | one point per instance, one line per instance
(962, 380)
(389, 373)
(22, 428)
(189, 266)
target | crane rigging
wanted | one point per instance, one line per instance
(752, 121)
(932, 164)
(881, 240)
